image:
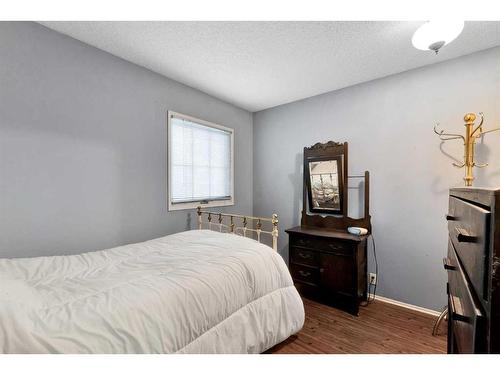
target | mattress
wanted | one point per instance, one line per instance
(198, 291)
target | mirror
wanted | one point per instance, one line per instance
(325, 201)
(325, 184)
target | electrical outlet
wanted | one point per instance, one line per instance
(372, 278)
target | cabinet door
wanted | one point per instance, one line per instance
(337, 273)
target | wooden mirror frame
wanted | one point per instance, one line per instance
(340, 221)
(341, 183)
(329, 150)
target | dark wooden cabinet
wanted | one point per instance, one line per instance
(327, 263)
(329, 266)
(472, 264)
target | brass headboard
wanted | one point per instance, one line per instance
(242, 230)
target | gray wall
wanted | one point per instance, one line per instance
(83, 145)
(388, 124)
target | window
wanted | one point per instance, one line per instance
(200, 163)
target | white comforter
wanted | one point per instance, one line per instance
(191, 292)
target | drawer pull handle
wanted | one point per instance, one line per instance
(304, 256)
(335, 247)
(457, 311)
(304, 273)
(447, 265)
(464, 236)
(450, 218)
(303, 242)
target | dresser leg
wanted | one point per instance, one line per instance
(354, 309)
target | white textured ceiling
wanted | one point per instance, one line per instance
(258, 65)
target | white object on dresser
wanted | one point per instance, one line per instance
(357, 231)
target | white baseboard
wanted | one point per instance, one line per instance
(406, 305)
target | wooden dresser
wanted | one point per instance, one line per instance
(473, 267)
(329, 266)
(327, 263)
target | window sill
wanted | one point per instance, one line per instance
(193, 205)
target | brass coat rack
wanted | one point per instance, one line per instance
(471, 134)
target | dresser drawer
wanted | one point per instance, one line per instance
(304, 256)
(468, 226)
(329, 266)
(466, 318)
(305, 274)
(323, 244)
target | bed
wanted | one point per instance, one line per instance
(199, 291)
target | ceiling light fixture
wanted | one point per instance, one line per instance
(433, 35)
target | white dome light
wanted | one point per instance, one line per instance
(433, 35)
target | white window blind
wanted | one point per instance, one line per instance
(200, 161)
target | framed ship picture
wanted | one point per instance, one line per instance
(325, 184)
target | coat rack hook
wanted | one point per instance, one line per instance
(472, 132)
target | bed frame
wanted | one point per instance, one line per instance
(243, 230)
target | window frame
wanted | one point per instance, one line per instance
(191, 205)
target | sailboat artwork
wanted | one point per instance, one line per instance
(324, 179)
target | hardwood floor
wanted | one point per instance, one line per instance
(379, 328)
